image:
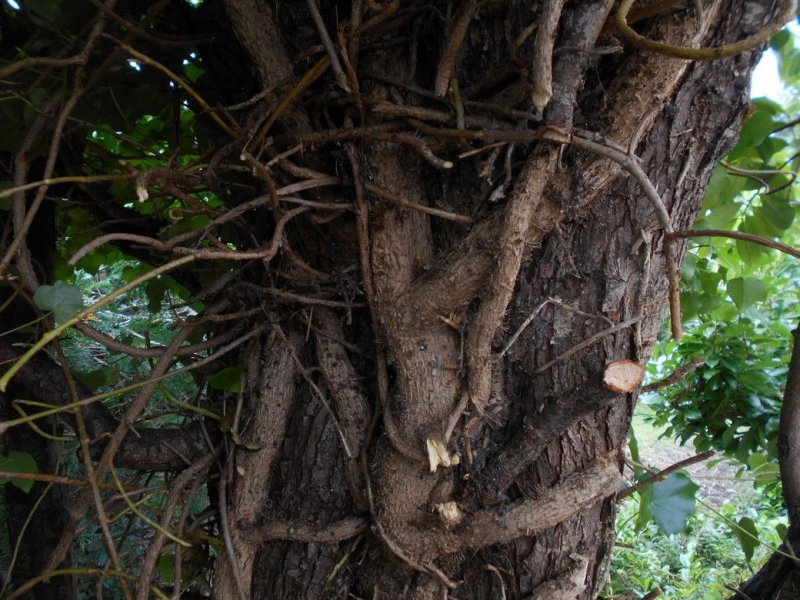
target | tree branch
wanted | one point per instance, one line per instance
(738, 235)
(531, 516)
(679, 374)
(664, 473)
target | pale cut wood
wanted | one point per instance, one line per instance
(623, 376)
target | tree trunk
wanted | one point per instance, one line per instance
(465, 352)
(480, 195)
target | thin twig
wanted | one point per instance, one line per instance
(402, 555)
(306, 80)
(336, 66)
(266, 253)
(663, 473)
(50, 573)
(228, 129)
(21, 536)
(157, 541)
(418, 144)
(536, 310)
(754, 173)
(321, 396)
(67, 179)
(293, 297)
(676, 376)
(444, 72)
(123, 348)
(22, 218)
(400, 201)
(542, 64)
(522, 328)
(59, 479)
(491, 568)
(91, 476)
(738, 235)
(226, 531)
(587, 342)
(631, 165)
(6, 425)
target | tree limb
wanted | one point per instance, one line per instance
(533, 515)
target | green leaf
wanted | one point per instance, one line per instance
(166, 567)
(754, 131)
(228, 379)
(696, 303)
(769, 106)
(746, 291)
(19, 462)
(673, 502)
(778, 212)
(722, 216)
(49, 10)
(193, 72)
(645, 514)
(62, 299)
(722, 189)
(709, 281)
(781, 40)
(765, 472)
(155, 289)
(759, 224)
(99, 377)
(633, 445)
(789, 65)
(747, 534)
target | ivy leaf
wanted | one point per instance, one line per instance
(19, 462)
(673, 502)
(746, 291)
(193, 72)
(64, 300)
(98, 378)
(747, 534)
(166, 567)
(228, 379)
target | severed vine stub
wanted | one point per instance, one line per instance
(623, 376)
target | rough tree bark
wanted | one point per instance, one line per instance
(441, 428)
(575, 239)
